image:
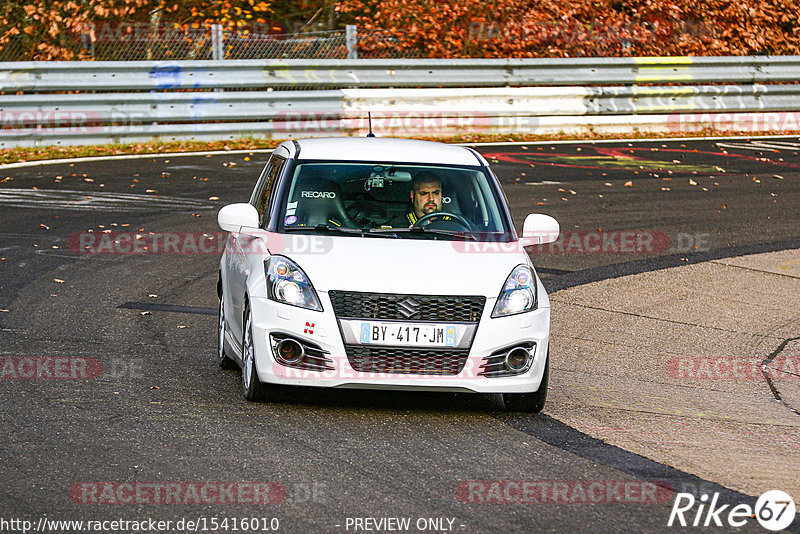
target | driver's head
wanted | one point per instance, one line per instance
(426, 193)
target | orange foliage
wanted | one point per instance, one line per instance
(60, 29)
(557, 28)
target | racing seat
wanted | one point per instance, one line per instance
(450, 199)
(319, 201)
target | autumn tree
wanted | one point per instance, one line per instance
(551, 28)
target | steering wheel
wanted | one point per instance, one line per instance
(463, 221)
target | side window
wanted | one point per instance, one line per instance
(260, 183)
(267, 180)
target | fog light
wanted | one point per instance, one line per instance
(517, 359)
(289, 350)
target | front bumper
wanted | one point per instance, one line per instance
(322, 329)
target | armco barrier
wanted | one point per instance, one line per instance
(241, 74)
(207, 100)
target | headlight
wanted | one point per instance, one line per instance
(518, 294)
(287, 283)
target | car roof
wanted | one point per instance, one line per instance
(381, 149)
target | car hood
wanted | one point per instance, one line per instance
(415, 266)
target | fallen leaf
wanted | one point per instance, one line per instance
(629, 183)
(3, 310)
(42, 225)
(154, 387)
(213, 198)
(58, 280)
(665, 188)
(181, 326)
(608, 184)
(145, 313)
(777, 176)
(692, 182)
(152, 295)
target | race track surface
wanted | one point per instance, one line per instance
(152, 409)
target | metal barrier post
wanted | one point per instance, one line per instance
(217, 48)
(351, 37)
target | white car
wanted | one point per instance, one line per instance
(383, 264)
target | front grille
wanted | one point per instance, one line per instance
(391, 306)
(406, 360)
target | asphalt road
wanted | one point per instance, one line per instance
(162, 412)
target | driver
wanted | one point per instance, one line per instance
(425, 196)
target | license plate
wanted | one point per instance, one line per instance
(408, 334)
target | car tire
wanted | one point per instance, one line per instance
(254, 390)
(223, 360)
(530, 402)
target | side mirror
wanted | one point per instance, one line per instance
(539, 229)
(238, 218)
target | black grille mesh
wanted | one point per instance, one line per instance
(388, 306)
(406, 360)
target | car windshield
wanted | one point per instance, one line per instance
(398, 200)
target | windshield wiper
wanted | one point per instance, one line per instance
(424, 231)
(335, 229)
(325, 228)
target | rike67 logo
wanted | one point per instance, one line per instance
(774, 510)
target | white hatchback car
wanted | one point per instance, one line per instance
(384, 264)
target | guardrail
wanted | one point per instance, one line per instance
(160, 75)
(204, 99)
